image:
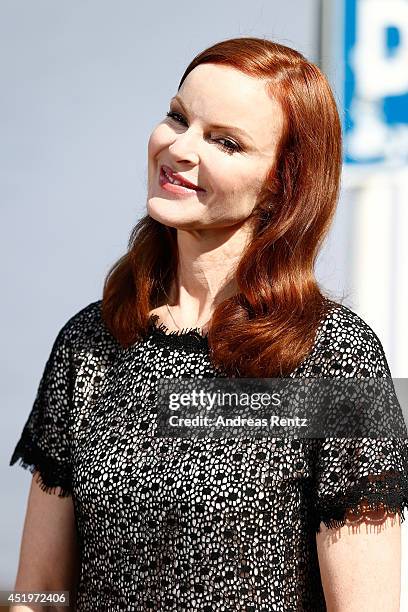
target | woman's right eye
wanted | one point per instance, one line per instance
(230, 148)
(176, 117)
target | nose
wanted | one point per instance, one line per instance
(184, 148)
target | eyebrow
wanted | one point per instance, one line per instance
(216, 125)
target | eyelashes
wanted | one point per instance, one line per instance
(231, 147)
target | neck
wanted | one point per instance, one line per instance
(206, 273)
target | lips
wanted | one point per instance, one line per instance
(184, 182)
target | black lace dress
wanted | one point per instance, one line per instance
(197, 524)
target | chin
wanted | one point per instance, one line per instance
(160, 210)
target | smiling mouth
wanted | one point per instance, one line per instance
(175, 186)
(177, 179)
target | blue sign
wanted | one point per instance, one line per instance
(375, 82)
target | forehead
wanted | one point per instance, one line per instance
(220, 94)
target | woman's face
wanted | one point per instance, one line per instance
(222, 136)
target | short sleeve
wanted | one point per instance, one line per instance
(44, 445)
(352, 475)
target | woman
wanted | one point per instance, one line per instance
(243, 180)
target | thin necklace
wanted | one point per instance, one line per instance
(167, 306)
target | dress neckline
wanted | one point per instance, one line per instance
(188, 336)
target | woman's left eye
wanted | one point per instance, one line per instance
(230, 146)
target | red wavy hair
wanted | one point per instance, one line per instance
(268, 327)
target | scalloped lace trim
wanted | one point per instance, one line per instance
(389, 496)
(191, 337)
(50, 474)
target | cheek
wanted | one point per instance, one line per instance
(227, 175)
(155, 144)
(235, 182)
(157, 141)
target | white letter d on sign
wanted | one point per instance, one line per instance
(378, 73)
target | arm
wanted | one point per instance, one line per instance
(49, 557)
(360, 563)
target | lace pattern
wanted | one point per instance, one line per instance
(182, 524)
